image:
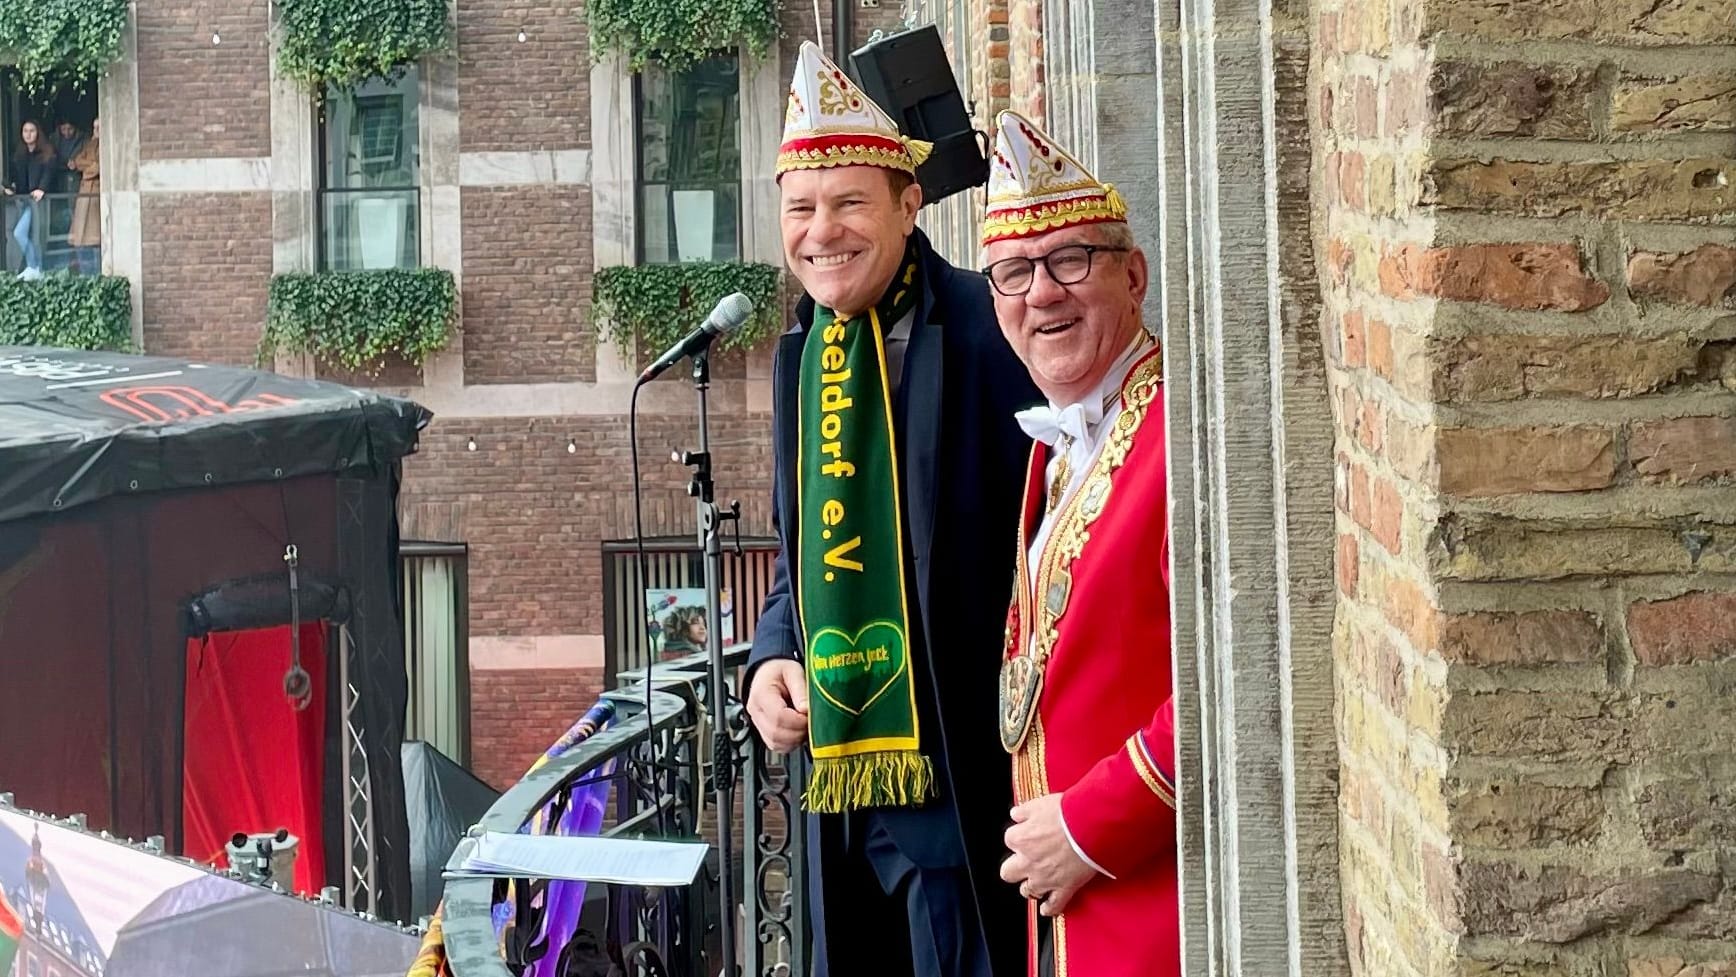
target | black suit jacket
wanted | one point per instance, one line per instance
(962, 461)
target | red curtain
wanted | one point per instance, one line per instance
(253, 763)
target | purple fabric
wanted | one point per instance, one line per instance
(563, 901)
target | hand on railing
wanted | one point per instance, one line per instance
(778, 703)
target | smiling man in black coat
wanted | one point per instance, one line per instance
(879, 644)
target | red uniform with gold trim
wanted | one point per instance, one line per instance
(1097, 617)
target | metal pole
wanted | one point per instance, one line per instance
(723, 749)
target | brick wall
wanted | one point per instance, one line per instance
(796, 24)
(514, 95)
(198, 99)
(991, 54)
(206, 269)
(519, 713)
(1524, 223)
(864, 21)
(535, 515)
(527, 285)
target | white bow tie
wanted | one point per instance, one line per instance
(1046, 424)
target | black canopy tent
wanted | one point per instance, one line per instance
(445, 800)
(147, 506)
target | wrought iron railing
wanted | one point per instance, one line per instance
(660, 781)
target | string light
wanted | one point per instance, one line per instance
(216, 38)
(572, 447)
(521, 36)
(470, 445)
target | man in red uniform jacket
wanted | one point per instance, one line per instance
(1085, 710)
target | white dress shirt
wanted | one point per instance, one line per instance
(1089, 421)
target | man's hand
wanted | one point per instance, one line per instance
(778, 704)
(36, 195)
(1044, 865)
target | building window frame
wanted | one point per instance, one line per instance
(732, 184)
(411, 237)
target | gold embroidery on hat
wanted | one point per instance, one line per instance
(837, 95)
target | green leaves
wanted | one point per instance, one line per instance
(342, 43)
(354, 319)
(67, 312)
(680, 33)
(660, 303)
(59, 44)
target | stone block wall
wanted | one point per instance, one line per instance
(1524, 220)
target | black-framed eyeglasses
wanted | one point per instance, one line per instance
(1068, 265)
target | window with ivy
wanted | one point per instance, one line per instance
(370, 176)
(689, 138)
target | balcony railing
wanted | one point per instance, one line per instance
(659, 781)
(56, 221)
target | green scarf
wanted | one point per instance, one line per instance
(850, 565)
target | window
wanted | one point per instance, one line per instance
(370, 176)
(689, 137)
(674, 564)
(62, 230)
(436, 586)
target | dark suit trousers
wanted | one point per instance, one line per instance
(888, 917)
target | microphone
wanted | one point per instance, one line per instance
(729, 316)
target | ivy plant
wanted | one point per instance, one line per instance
(67, 312)
(660, 303)
(338, 44)
(356, 319)
(678, 34)
(58, 44)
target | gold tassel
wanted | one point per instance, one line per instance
(851, 783)
(1113, 198)
(919, 150)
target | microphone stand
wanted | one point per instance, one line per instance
(711, 520)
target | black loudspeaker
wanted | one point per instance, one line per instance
(907, 74)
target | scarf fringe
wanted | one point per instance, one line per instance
(886, 779)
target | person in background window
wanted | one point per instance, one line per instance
(33, 166)
(86, 232)
(67, 140)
